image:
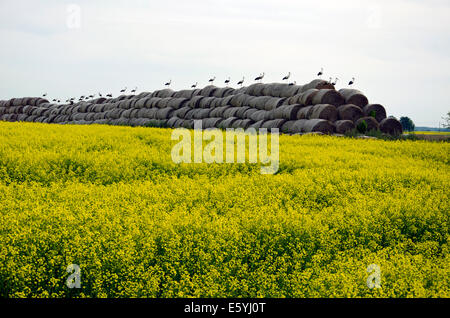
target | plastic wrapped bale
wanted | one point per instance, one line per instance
(317, 84)
(349, 112)
(328, 96)
(223, 91)
(241, 110)
(274, 123)
(260, 115)
(354, 96)
(248, 113)
(206, 102)
(163, 93)
(391, 126)
(376, 110)
(195, 101)
(242, 123)
(344, 126)
(226, 101)
(164, 113)
(201, 113)
(177, 103)
(185, 93)
(230, 112)
(211, 122)
(288, 112)
(259, 102)
(227, 123)
(172, 122)
(219, 111)
(257, 125)
(371, 123)
(238, 100)
(208, 91)
(273, 103)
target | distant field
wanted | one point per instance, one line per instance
(111, 200)
(429, 132)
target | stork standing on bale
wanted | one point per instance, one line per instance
(320, 73)
(194, 85)
(134, 90)
(351, 82)
(168, 83)
(100, 94)
(211, 80)
(260, 77)
(44, 95)
(91, 96)
(292, 84)
(241, 82)
(287, 77)
(330, 80)
(123, 90)
(335, 81)
(109, 95)
(227, 81)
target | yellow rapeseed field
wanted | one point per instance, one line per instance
(111, 200)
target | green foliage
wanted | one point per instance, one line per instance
(111, 200)
(362, 127)
(407, 124)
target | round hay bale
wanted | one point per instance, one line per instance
(149, 113)
(99, 100)
(201, 113)
(126, 114)
(353, 96)
(290, 90)
(140, 103)
(163, 102)
(230, 112)
(375, 109)
(274, 123)
(219, 111)
(189, 124)
(164, 113)
(211, 122)
(177, 103)
(317, 125)
(349, 112)
(152, 102)
(227, 123)
(181, 113)
(238, 100)
(306, 98)
(240, 111)
(257, 125)
(248, 113)
(226, 101)
(259, 102)
(216, 102)
(328, 96)
(391, 126)
(344, 126)
(164, 93)
(142, 95)
(172, 122)
(196, 92)
(21, 117)
(223, 91)
(206, 102)
(317, 84)
(248, 99)
(371, 122)
(195, 101)
(260, 115)
(185, 93)
(250, 90)
(288, 112)
(273, 103)
(304, 112)
(276, 89)
(242, 123)
(208, 91)
(324, 111)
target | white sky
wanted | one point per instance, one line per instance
(398, 50)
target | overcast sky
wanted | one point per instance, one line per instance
(398, 50)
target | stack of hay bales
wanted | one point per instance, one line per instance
(294, 109)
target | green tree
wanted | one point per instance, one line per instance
(447, 120)
(407, 124)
